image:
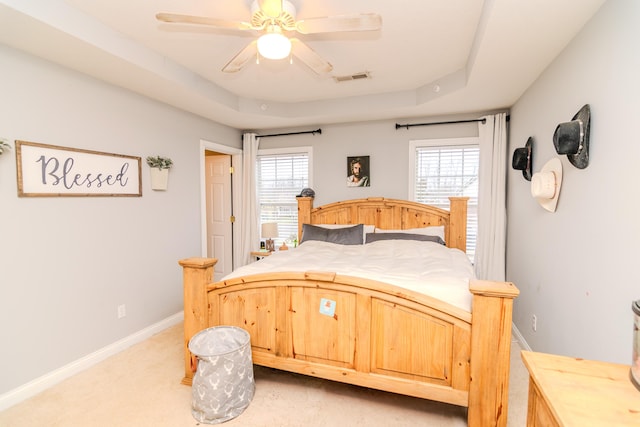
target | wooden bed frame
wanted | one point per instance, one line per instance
(380, 336)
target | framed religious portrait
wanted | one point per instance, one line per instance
(358, 172)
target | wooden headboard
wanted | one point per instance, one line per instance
(390, 214)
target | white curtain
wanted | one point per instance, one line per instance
(249, 233)
(492, 215)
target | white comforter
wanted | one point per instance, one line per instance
(425, 267)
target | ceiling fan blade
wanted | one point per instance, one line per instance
(271, 8)
(336, 23)
(310, 58)
(240, 60)
(202, 20)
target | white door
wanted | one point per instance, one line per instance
(219, 226)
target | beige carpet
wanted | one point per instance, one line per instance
(141, 387)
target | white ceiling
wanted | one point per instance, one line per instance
(431, 58)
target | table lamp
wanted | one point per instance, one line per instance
(269, 230)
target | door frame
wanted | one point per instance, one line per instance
(236, 187)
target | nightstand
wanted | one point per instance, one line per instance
(565, 391)
(260, 254)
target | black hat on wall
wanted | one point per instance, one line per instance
(572, 138)
(523, 159)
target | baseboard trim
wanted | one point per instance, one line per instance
(518, 336)
(52, 378)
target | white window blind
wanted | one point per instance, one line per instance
(447, 170)
(280, 178)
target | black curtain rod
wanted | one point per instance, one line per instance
(398, 126)
(292, 133)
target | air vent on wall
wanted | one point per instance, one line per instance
(356, 76)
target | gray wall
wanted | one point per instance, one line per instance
(67, 263)
(387, 148)
(576, 268)
(573, 267)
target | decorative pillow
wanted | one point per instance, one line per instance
(434, 230)
(374, 237)
(365, 228)
(342, 236)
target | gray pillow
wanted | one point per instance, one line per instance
(341, 236)
(374, 237)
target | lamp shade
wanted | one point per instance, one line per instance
(269, 230)
(274, 44)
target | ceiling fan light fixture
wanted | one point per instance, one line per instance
(274, 44)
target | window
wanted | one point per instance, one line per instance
(447, 167)
(281, 175)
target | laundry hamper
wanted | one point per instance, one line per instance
(223, 384)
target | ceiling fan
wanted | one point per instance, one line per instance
(274, 18)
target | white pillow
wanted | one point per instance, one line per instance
(434, 230)
(365, 228)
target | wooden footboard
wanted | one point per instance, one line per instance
(365, 333)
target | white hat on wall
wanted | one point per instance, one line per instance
(545, 185)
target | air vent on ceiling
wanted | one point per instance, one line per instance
(356, 76)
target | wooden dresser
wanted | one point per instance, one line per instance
(565, 391)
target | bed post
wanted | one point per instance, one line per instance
(305, 204)
(490, 352)
(197, 273)
(457, 237)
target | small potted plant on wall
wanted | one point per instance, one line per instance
(4, 146)
(159, 171)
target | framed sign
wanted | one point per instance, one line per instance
(52, 171)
